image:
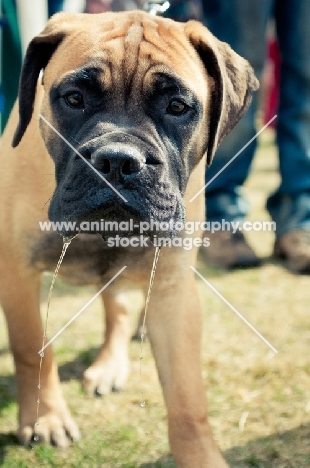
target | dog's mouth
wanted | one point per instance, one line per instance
(103, 212)
(150, 206)
(117, 223)
(145, 201)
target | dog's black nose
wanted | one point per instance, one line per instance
(119, 160)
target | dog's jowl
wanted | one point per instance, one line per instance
(127, 113)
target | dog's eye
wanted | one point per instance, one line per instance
(74, 100)
(176, 107)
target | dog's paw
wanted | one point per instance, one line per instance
(52, 428)
(106, 375)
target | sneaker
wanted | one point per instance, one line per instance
(294, 247)
(229, 250)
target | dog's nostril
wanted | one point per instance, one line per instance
(126, 168)
(105, 166)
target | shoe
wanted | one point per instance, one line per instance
(294, 247)
(229, 250)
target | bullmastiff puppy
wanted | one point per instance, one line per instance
(145, 101)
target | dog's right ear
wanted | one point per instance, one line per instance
(38, 54)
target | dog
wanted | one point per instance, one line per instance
(129, 110)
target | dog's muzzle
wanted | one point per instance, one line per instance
(118, 162)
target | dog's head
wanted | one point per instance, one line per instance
(132, 103)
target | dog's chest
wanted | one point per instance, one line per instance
(88, 260)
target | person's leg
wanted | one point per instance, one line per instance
(30, 24)
(243, 25)
(11, 58)
(289, 206)
(54, 6)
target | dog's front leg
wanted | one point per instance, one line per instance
(174, 328)
(110, 370)
(19, 296)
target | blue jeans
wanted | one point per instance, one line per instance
(243, 25)
(54, 6)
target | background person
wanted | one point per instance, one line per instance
(244, 26)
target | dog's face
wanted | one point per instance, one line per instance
(141, 101)
(132, 116)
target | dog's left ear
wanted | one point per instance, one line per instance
(38, 54)
(234, 83)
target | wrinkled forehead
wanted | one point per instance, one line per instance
(127, 45)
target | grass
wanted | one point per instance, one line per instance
(259, 402)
